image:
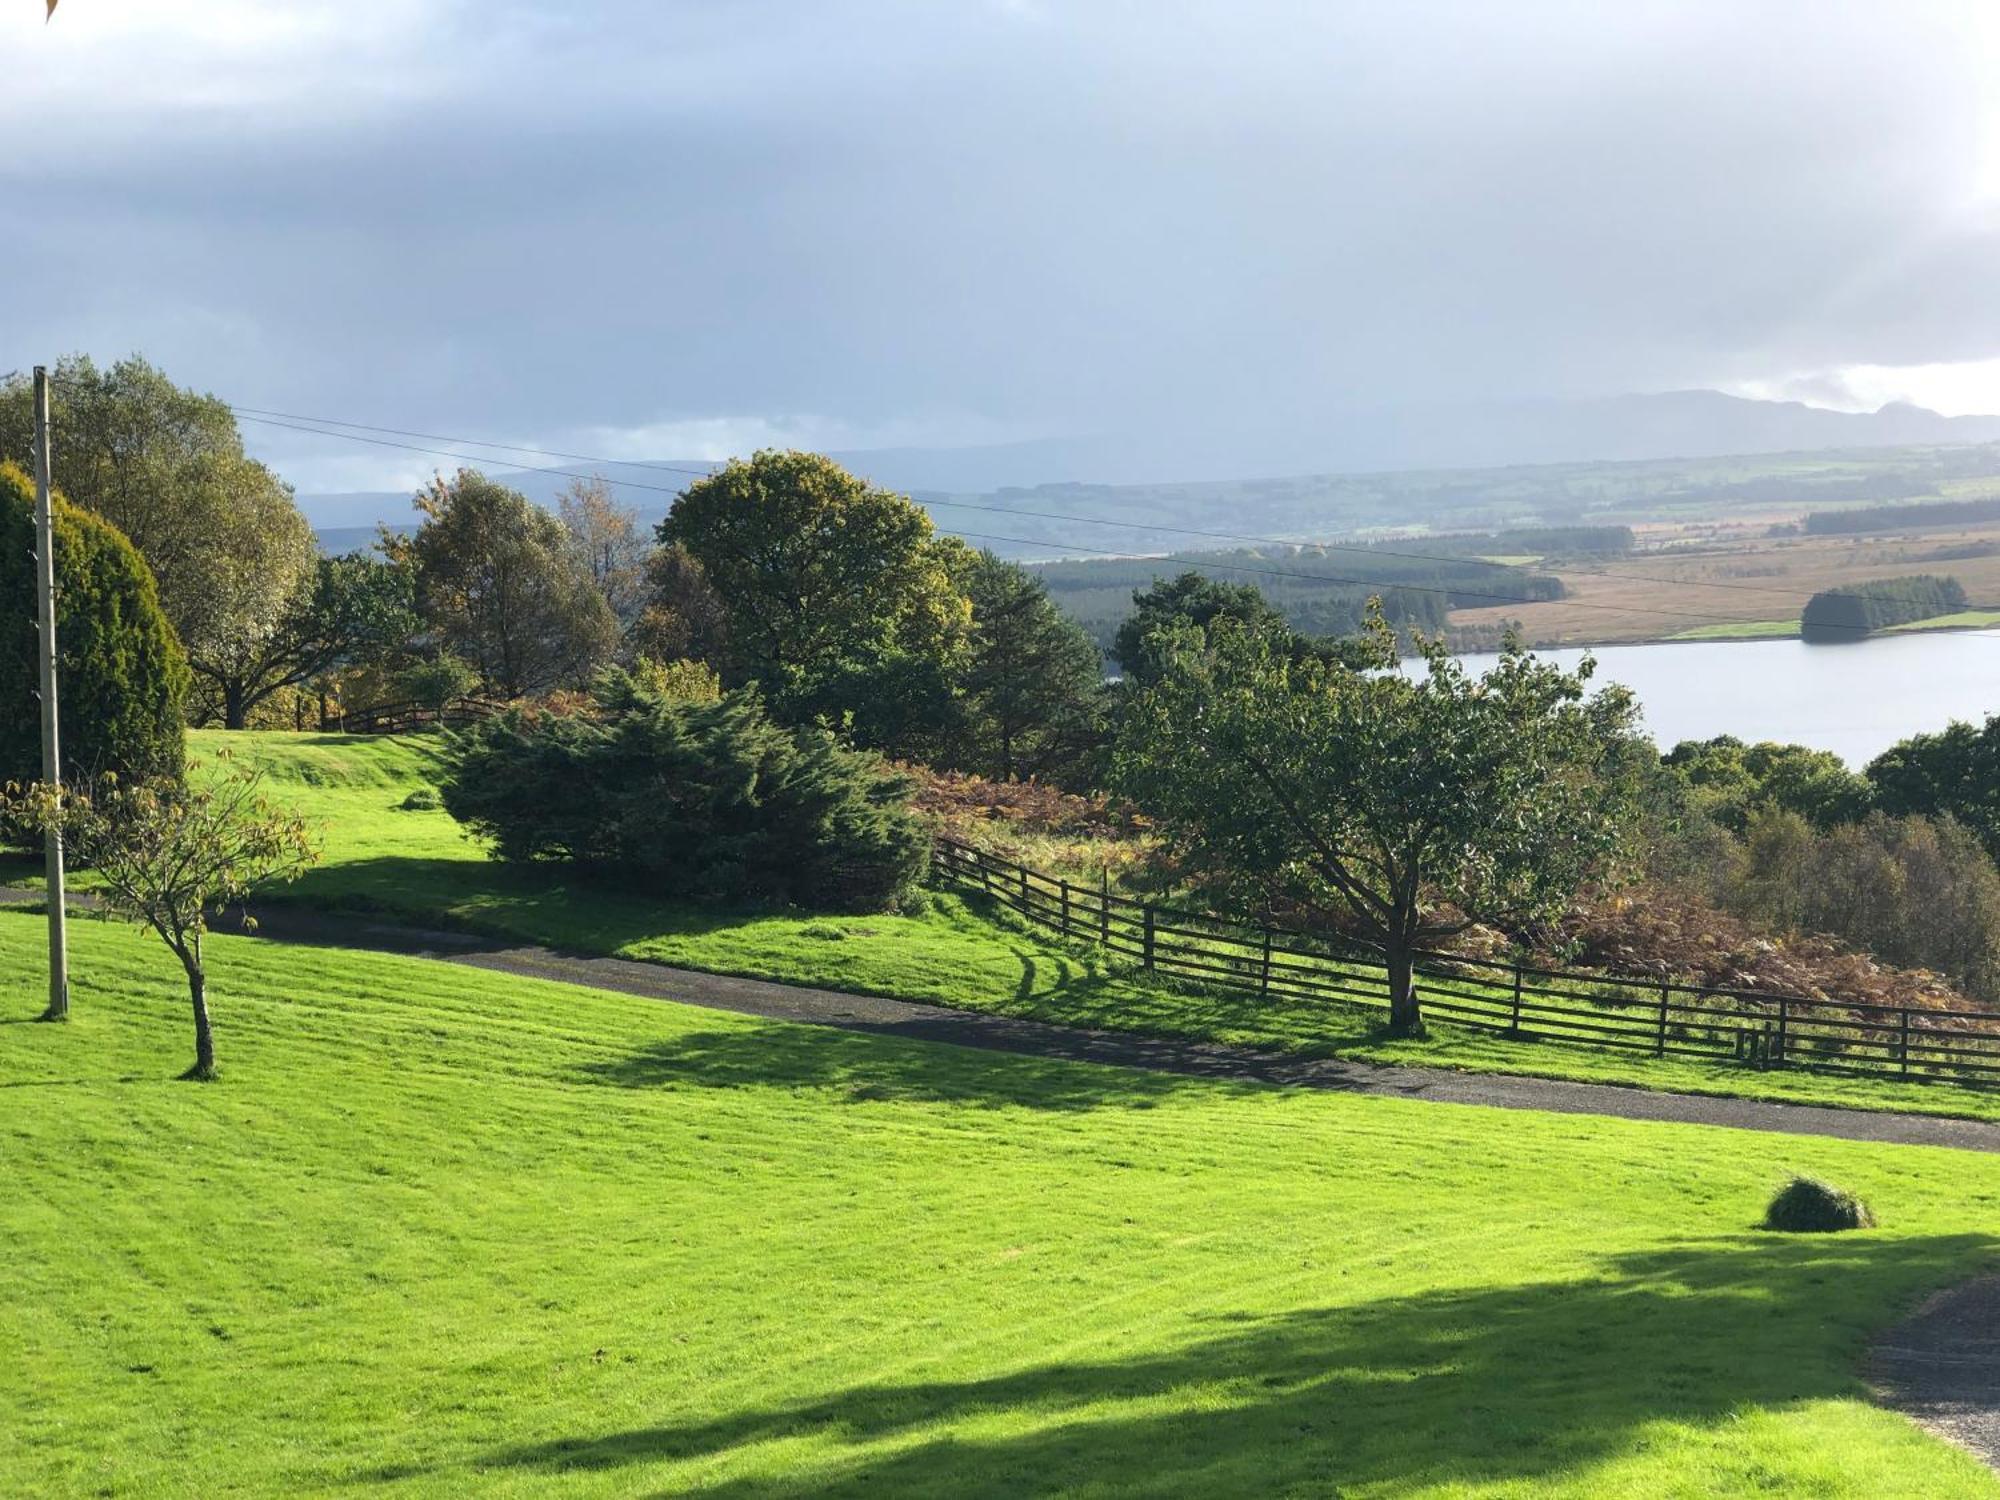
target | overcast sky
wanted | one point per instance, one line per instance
(677, 229)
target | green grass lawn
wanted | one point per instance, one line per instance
(439, 1232)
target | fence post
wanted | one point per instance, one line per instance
(1148, 960)
(1778, 1047)
(1024, 888)
(1514, 1017)
(1104, 910)
(1264, 982)
(1903, 1042)
(1660, 1036)
(1065, 907)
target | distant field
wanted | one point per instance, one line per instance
(1739, 582)
(440, 1233)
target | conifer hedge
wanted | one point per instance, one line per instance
(123, 677)
(691, 801)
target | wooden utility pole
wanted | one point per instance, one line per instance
(45, 601)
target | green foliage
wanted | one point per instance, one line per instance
(1034, 682)
(1955, 770)
(1409, 807)
(1731, 781)
(423, 799)
(166, 466)
(679, 681)
(1851, 612)
(1915, 891)
(1193, 598)
(1807, 1205)
(821, 578)
(354, 611)
(435, 681)
(707, 802)
(500, 583)
(123, 678)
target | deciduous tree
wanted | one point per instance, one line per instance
(169, 855)
(816, 568)
(1410, 806)
(356, 611)
(229, 549)
(498, 583)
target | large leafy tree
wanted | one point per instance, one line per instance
(1405, 806)
(123, 676)
(1732, 781)
(609, 545)
(1034, 680)
(229, 549)
(1192, 598)
(817, 570)
(499, 584)
(1955, 770)
(358, 611)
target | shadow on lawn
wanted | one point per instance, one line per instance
(867, 1063)
(1447, 1387)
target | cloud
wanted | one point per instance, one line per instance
(686, 222)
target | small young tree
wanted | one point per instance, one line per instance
(1415, 806)
(169, 854)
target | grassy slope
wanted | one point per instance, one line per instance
(419, 865)
(1740, 630)
(439, 1233)
(1964, 619)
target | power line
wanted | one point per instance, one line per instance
(355, 437)
(330, 424)
(257, 414)
(290, 419)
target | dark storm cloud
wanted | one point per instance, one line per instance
(537, 220)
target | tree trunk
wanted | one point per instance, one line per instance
(204, 1038)
(235, 712)
(1405, 1015)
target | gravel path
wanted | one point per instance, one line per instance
(1941, 1367)
(961, 1028)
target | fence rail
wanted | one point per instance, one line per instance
(1514, 999)
(402, 718)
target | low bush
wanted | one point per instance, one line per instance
(1806, 1205)
(691, 801)
(423, 799)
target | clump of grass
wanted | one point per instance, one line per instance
(423, 799)
(1807, 1205)
(825, 931)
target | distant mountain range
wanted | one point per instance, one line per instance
(1485, 435)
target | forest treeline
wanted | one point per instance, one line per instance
(1848, 613)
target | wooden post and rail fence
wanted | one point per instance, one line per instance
(1511, 997)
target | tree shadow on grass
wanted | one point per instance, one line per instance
(1468, 1387)
(872, 1065)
